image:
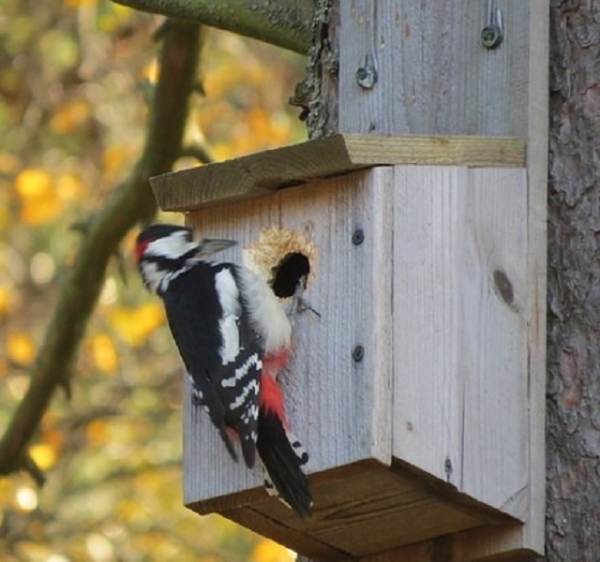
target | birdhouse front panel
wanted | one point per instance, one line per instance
(338, 387)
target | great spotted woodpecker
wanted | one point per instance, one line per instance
(234, 338)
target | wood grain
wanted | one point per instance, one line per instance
(449, 244)
(434, 76)
(537, 204)
(474, 545)
(364, 508)
(460, 354)
(262, 173)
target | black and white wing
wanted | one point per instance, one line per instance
(221, 352)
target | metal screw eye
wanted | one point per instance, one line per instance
(366, 77)
(491, 36)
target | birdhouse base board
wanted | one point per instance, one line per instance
(360, 509)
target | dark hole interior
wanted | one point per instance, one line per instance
(288, 273)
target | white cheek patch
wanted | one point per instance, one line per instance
(172, 247)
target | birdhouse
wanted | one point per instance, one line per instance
(411, 381)
(417, 381)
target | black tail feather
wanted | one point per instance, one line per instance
(248, 449)
(228, 443)
(283, 463)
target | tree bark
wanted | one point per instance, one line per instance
(573, 394)
(285, 23)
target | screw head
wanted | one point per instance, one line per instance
(366, 76)
(358, 353)
(448, 468)
(358, 237)
(491, 36)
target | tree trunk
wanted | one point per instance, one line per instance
(573, 396)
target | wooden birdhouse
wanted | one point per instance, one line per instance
(418, 387)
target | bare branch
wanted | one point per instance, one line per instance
(285, 23)
(131, 202)
(199, 152)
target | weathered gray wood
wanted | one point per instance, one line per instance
(459, 387)
(460, 330)
(344, 413)
(537, 204)
(434, 75)
(262, 173)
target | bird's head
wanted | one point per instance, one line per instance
(163, 251)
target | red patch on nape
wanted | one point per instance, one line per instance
(271, 398)
(140, 248)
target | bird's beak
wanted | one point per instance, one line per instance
(210, 246)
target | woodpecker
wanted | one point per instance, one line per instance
(234, 338)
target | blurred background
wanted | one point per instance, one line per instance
(75, 80)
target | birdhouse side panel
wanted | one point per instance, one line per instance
(460, 332)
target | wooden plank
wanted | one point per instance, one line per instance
(262, 173)
(537, 170)
(460, 329)
(339, 408)
(365, 508)
(297, 540)
(434, 75)
(387, 511)
(484, 544)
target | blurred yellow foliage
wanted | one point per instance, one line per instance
(97, 432)
(117, 158)
(33, 183)
(150, 72)
(71, 116)
(20, 348)
(9, 163)
(269, 551)
(43, 455)
(69, 187)
(54, 438)
(6, 299)
(104, 353)
(37, 191)
(80, 3)
(135, 325)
